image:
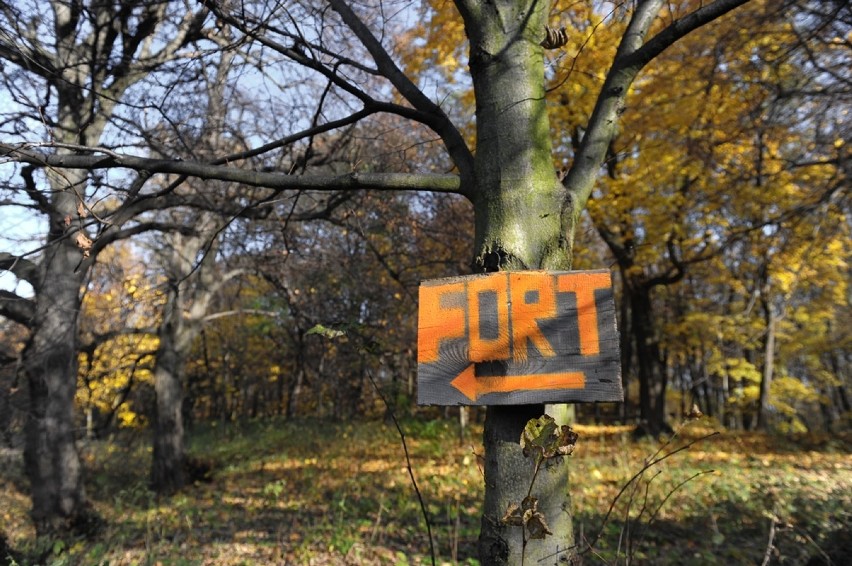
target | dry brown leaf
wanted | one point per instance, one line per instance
(84, 243)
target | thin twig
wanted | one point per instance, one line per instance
(407, 465)
(767, 556)
(653, 462)
(819, 549)
(378, 520)
(655, 514)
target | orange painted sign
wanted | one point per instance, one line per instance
(518, 337)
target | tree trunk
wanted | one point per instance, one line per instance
(768, 367)
(293, 392)
(50, 366)
(191, 290)
(651, 383)
(5, 408)
(168, 459)
(523, 221)
(624, 335)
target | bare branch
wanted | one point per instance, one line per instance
(370, 109)
(31, 57)
(463, 158)
(132, 70)
(281, 181)
(41, 202)
(296, 55)
(438, 121)
(238, 312)
(21, 268)
(110, 236)
(16, 308)
(223, 279)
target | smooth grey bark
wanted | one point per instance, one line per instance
(524, 220)
(191, 287)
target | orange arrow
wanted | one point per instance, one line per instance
(473, 387)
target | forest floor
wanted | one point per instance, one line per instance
(312, 492)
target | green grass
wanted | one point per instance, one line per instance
(312, 492)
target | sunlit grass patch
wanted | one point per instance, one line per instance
(314, 492)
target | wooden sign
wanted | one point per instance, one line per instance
(521, 337)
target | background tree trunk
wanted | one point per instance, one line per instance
(49, 362)
(768, 366)
(168, 459)
(191, 288)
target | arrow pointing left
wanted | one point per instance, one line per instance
(474, 387)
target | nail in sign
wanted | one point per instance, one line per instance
(514, 338)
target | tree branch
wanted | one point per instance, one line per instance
(632, 55)
(225, 278)
(97, 339)
(281, 181)
(21, 268)
(368, 110)
(41, 202)
(34, 58)
(438, 120)
(297, 55)
(256, 312)
(110, 236)
(679, 28)
(16, 308)
(603, 122)
(424, 111)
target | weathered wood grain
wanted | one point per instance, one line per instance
(515, 338)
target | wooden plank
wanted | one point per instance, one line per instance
(521, 337)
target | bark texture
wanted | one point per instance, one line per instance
(49, 362)
(524, 220)
(168, 458)
(191, 288)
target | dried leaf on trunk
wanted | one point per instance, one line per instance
(528, 516)
(513, 516)
(537, 526)
(544, 439)
(84, 243)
